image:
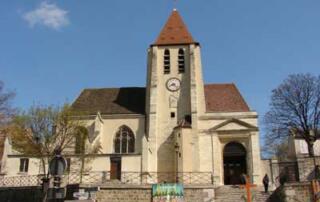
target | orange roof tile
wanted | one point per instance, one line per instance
(174, 31)
(224, 98)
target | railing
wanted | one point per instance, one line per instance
(20, 181)
(99, 178)
(203, 178)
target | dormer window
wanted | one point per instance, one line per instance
(166, 61)
(181, 62)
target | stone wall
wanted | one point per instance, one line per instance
(293, 192)
(298, 192)
(306, 167)
(270, 167)
(144, 194)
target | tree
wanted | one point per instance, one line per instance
(42, 130)
(6, 111)
(294, 110)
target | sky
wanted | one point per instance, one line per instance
(51, 50)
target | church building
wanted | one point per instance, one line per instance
(177, 123)
(176, 126)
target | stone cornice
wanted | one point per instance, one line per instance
(110, 116)
(229, 115)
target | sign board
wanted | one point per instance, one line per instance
(87, 193)
(81, 196)
(170, 192)
(57, 165)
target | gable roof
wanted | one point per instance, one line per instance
(174, 32)
(248, 126)
(219, 98)
(111, 101)
(224, 98)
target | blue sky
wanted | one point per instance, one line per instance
(50, 58)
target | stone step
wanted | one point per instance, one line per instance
(235, 193)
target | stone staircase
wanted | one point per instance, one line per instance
(234, 193)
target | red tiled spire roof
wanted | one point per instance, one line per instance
(174, 31)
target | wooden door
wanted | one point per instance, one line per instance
(115, 169)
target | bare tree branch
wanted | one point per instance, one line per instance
(6, 111)
(41, 130)
(295, 104)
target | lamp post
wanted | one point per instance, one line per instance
(177, 147)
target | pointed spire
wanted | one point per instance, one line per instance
(174, 31)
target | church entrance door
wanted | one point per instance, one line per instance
(234, 163)
(115, 168)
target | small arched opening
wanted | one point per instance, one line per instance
(166, 61)
(181, 62)
(234, 163)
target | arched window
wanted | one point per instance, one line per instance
(181, 60)
(124, 141)
(81, 137)
(166, 61)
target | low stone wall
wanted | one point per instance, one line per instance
(296, 192)
(293, 192)
(124, 193)
(306, 167)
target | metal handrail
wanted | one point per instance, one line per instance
(105, 177)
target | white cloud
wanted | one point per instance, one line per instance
(48, 15)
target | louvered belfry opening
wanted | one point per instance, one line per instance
(166, 61)
(181, 62)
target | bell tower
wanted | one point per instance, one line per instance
(174, 93)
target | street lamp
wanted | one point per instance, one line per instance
(177, 147)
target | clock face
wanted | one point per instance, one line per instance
(173, 84)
